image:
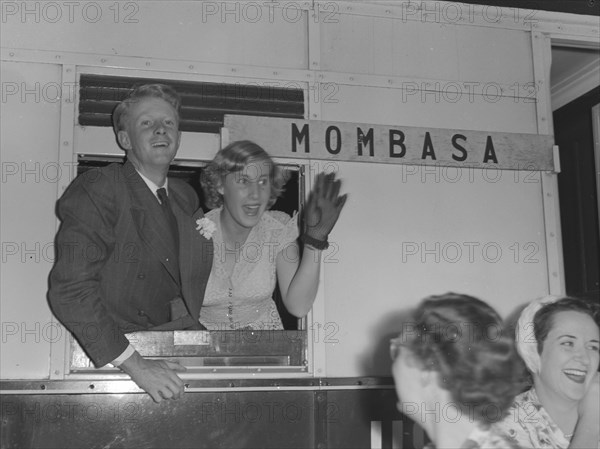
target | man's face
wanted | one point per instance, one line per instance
(151, 134)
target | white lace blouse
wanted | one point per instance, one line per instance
(244, 299)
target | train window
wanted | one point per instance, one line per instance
(203, 108)
(218, 351)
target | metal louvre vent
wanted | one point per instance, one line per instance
(203, 105)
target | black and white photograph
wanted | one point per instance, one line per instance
(369, 224)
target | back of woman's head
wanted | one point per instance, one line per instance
(461, 338)
(235, 157)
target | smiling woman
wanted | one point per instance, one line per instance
(255, 248)
(561, 409)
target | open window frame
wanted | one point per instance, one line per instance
(222, 351)
(236, 353)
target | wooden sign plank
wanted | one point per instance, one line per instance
(360, 142)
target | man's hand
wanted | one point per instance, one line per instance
(155, 377)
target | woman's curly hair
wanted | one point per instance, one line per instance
(235, 157)
(461, 338)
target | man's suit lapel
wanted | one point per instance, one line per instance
(150, 221)
(195, 257)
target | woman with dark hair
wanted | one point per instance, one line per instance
(255, 247)
(557, 337)
(455, 373)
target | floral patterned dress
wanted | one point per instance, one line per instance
(530, 425)
(243, 299)
(488, 439)
(484, 438)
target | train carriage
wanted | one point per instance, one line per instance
(438, 116)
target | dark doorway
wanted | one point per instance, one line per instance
(578, 196)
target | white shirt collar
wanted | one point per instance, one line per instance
(153, 187)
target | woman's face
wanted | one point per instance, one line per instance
(246, 193)
(569, 357)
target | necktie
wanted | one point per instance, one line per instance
(170, 216)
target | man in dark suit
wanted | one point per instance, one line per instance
(128, 252)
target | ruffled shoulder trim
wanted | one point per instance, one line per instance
(282, 227)
(279, 216)
(274, 226)
(213, 214)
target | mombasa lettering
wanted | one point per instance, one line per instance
(394, 144)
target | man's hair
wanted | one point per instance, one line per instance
(138, 93)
